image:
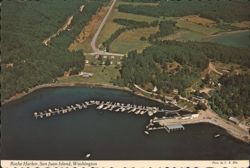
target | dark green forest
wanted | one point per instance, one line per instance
(227, 10)
(232, 99)
(26, 62)
(165, 28)
(133, 23)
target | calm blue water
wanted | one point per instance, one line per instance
(106, 135)
(239, 39)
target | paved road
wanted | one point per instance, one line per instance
(93, 42)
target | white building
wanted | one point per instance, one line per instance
(189, 116)
(86, 74)
(155, 89)
(234, 120)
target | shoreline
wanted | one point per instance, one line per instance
(209, 116)
(55, 85)
(212, 117)
(90, 85)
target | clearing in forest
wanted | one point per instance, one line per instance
(199, 20)
(110, 27)
(131, 40)
(102, 75)
(187, 25)
(83, 40)
(211, 68)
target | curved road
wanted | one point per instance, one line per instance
(93, 41)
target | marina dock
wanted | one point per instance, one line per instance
(103, 105)
(109, 106)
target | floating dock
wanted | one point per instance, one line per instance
(102, 105)
(99, 105)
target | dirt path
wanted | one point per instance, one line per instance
(63, 28)
(81, 8)
(211, 68)
(88, 31)
(138, 87)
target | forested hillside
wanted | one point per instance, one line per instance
(192, 57)
(229, 11)
(232, 99)
(26, 61)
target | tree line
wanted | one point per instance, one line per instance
(165, 28)
(229, 11)
(134, 24)
(128, 25)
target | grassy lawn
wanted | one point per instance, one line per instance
(138, 3)
(130, 40)
(110, 27)
(189, 31)
(92, 60)
(85, 46)
(183, 24)
(185, 35)
(102, 75)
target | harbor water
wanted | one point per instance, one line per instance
(236, 39)
(106, 135)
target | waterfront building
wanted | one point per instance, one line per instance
(234, 120)
(86, 74)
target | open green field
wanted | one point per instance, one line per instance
(111, 27)
(138, 3)
(85, 46)
(187, 31)
(102, 75)
(197, 28)
(185, 35)
(130, 40)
